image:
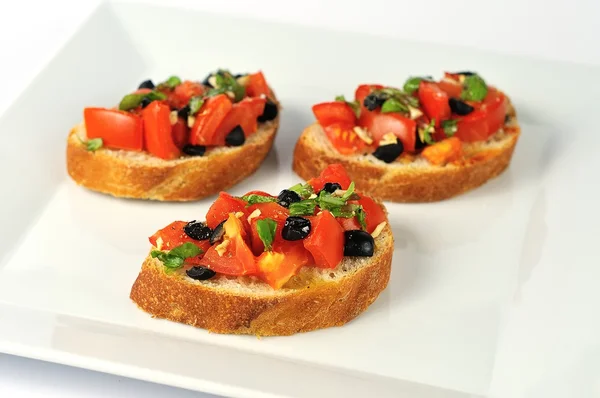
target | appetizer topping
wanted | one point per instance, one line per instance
(197, 230)
(173, 117)
(146, 84)
(358, 243)
(200, 273)
(131, 101)
(194, 150)
(91, 145)
(295, 228)
(217, 233)
(287, 197)
(255, 235)
(270, 112)
(422, 113)
(172, 82)
(460, 107)
(236, 137)
(444, 151)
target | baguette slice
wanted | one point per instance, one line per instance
(139, 175)
(313, 299)
(411, 178)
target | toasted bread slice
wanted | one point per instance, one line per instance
(315, 298)
(410, 178)
(132, 174)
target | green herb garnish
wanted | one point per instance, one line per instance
(225, 82)
(426, 131)
(173, 82)
(474, 88)
(132, 101)
(304, 190)
(361, 216)
(254, 198)
(354, 104)
(94, 144)
(450, 127)
(176, 256)
(195, 105)
(412, 84)
(266, 228)
(393, 105)
(345, 211)
(303, 208)
(348, 192)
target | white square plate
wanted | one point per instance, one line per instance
(510, 265)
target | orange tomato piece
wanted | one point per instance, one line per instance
(157, 131)
(442, 152)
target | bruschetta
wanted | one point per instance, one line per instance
(314, 256)
(427, 141)
(177, 140)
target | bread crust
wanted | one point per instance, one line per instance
(121, 174)
(313, 306)
(408, 184)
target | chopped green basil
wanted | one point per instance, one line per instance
(303, 208)
(304, 190)
(225, 82)
(412, 84)
(474, 88)
(393, 105)
(173, 81)
(266, 228)
(345, 211)
(176, 256)
(450, 127)
(132, 101)
(94, 144)
(325, 200)
(361, 216)
(254, 198)
(348, 192)
(425, 132)
(195, 105)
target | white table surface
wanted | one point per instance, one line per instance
(31, 31)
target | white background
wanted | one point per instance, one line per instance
(31, 31)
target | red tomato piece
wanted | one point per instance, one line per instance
(325, 241)
(485, 120)
(236, 258)
(180, 133)
(211, 115)
(118, 129)
(374, 213)
(434, 101)
(242, 114)
(278, 266)
(257, 85)
(270, 210)
(173, 235)
(343, 137)
(349, 224)
(184, 92)
(363, 90)
(157, 131)
(328, 113)
(379, 124)
(222, 207)
(260, 193)
(332, 173)
(452, 87)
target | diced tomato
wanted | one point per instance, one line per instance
(328, 113)
(348, 224)
(485, 120)
(325, 241)
(173, 235)
(236, 257)
(180, 133)
(452, 87)
(278, 266)
(257, 85)
(118, 129)
(260, 193)
(270, 210)
(434, 101)
(442, 152)
(379, 124)
(244, 114)
(184, 92)
(332, 173)
(343, 137)
(362, 91)
(221, 208)
(157, 131)
(211, 115)
(373, 211)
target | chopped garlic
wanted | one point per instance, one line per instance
(230, 94)
(312, 196)
(239, 214)
(212, 81)
(159, 243)
(378, 230)
(221, 248)
(415, 113)
(243, 80)
(339, 193)
(388, 139)
(191, 121)
(173, 117)
(254, 214)
(363, 135)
